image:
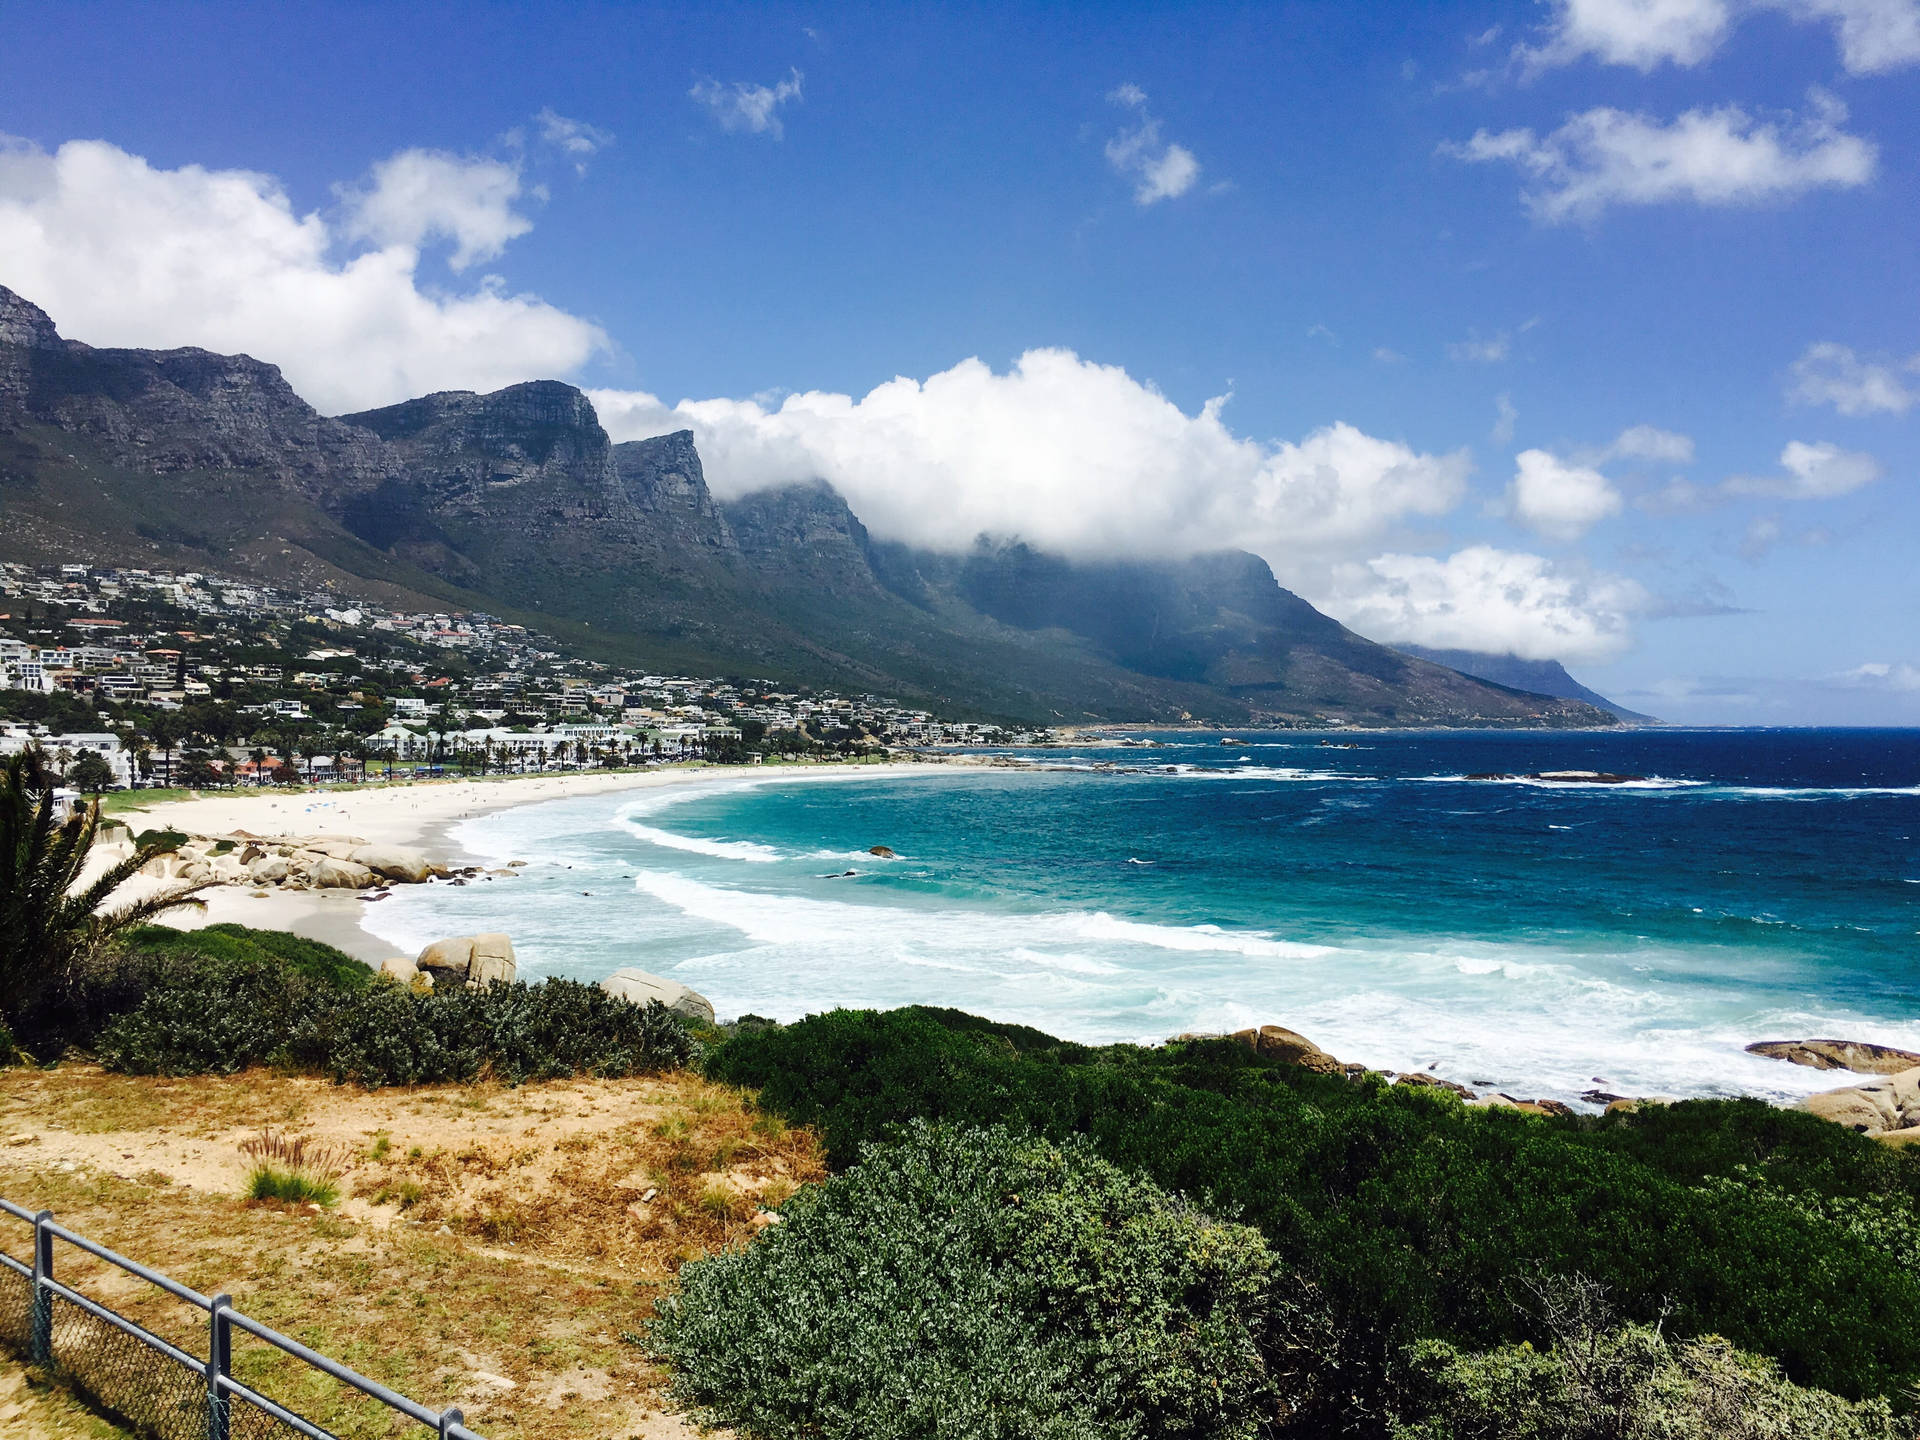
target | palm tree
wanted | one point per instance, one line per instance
(52, 920)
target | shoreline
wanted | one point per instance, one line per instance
(417, 814)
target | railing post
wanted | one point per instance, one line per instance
(40, 1319)
(219, 1365)
(448, 1419)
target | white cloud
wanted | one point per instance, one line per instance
(418, 195)
(752, 108)
(1480, 598)
(1475, 351)
(1158, 171)
(219, 258)
(1874, 36)
(1763, 533)
(575, 139)
(1069, 455)
(1725, 157)
(1650, 442)
(1504, 419)
(1819, 471)
(1640, 33)
(1883, 675)
(1559, 500)
(1830, 374)
(1387, 355)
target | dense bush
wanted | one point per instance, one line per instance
(259, 962)
(980, 1283)
(219, 1000)
(1412, 1214)
(517, 1032)
(1598, 1381)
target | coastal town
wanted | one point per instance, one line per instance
(128, 678)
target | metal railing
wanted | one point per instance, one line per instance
(186, 1397)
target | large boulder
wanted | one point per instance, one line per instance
(399, 969)
(1276, 1042)
(269, 868)
(640, 987)
(493, 961)
(340, 847)
(332, 874)
(1888, 1104)
(1860, 1056)
(394, 862)
(443, 955)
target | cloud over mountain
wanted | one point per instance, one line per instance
(220, 259)
(1067, 454)
(1491, 600)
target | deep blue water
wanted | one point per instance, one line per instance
(1544, 937)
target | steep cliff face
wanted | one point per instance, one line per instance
(664, 478)
(517, 502)
(177, 412)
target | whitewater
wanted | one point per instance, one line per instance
(1539, 936)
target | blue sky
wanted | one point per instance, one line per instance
(1585, 329)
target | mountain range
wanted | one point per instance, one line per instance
(518, 503)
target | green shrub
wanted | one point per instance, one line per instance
(1412, 1214)
(1597, 1381)
(979, 1283)
(202, 1013)
(213, 1015)
(309, 958)
(519, 1032)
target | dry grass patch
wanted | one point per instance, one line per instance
(490, 1246)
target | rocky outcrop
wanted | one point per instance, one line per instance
(299, 862)
(1861, 1056)
(1888, 1107)
(474, 961)
(332, 874)
(640, 987)
(393, 862)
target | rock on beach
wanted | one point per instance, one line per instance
(639, 987)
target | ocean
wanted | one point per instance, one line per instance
(1542, 938)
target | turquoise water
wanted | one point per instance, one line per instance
(1546, 938)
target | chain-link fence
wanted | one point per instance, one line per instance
(165, 1389)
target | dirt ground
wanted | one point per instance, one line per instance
(496, 1248)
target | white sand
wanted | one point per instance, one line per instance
(411, 813)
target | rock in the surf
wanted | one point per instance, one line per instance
(639, 987)
(1889, 1104)
(395, 862)
(1863, 1057)
(883, 851)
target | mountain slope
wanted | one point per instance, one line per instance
(517, 503)
(1543, 677)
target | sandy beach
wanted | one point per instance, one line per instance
(417, 814)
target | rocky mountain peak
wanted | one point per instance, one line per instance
(662, 477)
(25, 324)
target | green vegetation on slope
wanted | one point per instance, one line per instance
(1414, 1218)
(978, 1283)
